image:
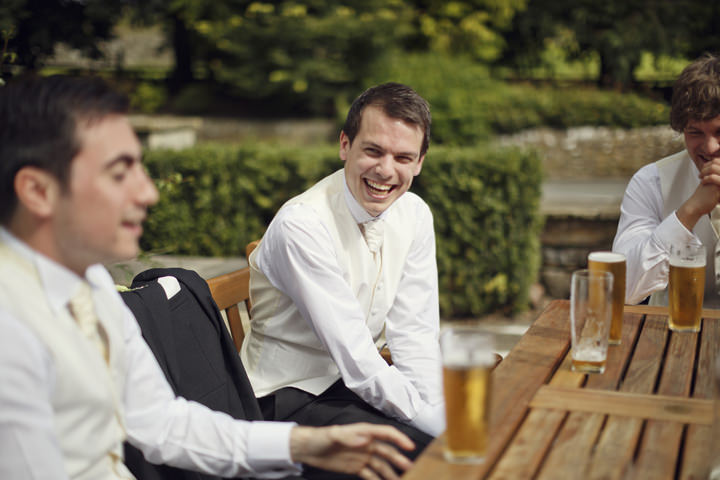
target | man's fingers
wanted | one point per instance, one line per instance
(390, 434)
(388, 453)
(379, 468)
(382, 468)
(711, 178)
(367, 473)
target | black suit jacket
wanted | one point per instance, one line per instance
(195, 351)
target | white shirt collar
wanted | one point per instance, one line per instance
(358, 212)
(59, 283)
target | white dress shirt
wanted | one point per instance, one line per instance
(166, 428)
(645, 237)
(298, 257)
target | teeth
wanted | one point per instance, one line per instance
(378, 186)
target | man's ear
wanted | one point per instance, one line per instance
(344, 146)
(37, 190)
(418, 166)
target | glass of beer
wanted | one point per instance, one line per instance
(686, 287)
(467, 357)
(614, 263)
(590, 318)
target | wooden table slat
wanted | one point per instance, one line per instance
(659, 310)
(657, 407)
(698, 439)
(653, 462)
(620, 434)
(645, 365)
(530, 444)
(572, 449)
(618, 356)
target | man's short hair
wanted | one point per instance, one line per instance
(38, 126)
(696, 93)
(396, 101)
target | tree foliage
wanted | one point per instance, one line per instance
(314, 49)
(617, 31)
(475, 28)
(34, 27)
(292, 51)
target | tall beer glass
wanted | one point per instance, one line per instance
(590, 318)
(614, 263)
(467, 356)
(686, 287)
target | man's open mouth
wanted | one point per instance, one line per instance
(378, 188)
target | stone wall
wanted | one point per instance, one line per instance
(597, 152)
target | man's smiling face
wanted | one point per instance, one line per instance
(382, 160)
(702, 140)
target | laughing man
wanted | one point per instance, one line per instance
(343, 262)
(675, 200)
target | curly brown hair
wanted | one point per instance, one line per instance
(696, 92)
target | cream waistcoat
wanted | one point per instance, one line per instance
(678, 181)
(281, 349)
(87, 396)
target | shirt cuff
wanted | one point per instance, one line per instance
(269, 449)
(430, 419)
(672, 231)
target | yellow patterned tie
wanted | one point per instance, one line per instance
(82, 309)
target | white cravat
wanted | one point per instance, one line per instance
(374, 232)
(82, 309)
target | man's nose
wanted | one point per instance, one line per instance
(384, 166)
(147, 193)
(712, 144)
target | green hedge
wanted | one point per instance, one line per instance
(485, 202)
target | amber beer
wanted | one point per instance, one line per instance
(467, 355)
(614, 263)
(466, 405)
(686, 289)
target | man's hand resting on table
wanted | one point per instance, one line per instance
(362, 449)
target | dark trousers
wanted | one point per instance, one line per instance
(337, 405)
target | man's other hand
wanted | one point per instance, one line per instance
(705, 197)
(363, 449)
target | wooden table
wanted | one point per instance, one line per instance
(648, 416)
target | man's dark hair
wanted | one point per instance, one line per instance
(38, 126)
(396, 101)
(696, 93)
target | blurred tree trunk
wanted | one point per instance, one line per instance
(182, 51)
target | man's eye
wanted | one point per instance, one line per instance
(119, 173)
(373, 152)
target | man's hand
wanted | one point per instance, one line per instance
(705, 197)
(363, 449)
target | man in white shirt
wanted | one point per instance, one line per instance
(77, 377)
(673, 201)
(325, 284)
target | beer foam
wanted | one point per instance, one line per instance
(606, 257)
(466, 359)
(688, 262)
